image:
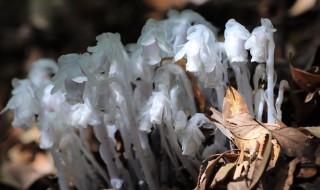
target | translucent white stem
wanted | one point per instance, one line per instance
(63, 180)
(244, 87)
(283, 85)
(106, 153)
(220, 91)
(270, 84)
(259, 103)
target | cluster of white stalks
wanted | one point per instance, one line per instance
(142, 93)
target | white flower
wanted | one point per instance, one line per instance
(156, 110)
(108, 54)
(177, 25)
(258, 41)
(23, 103)
(235, 36)
(159, 105)
(204, 55)
(73, 76)
(200, 55)
(191, 136)
(153, 42)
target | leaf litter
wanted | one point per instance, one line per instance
(260, 146)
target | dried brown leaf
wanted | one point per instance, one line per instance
(238, 185)
(209, 172)
(292, 168)
(295, 143)
(222, 174)
(306, 80)
(313, 130)
(274, 154)
(237, 118)
(307, 172)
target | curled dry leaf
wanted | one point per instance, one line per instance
(292, 168)
(216, 169)
(308, 80)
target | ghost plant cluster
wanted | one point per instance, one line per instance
(142, 93)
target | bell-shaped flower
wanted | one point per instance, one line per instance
(178, 23)
(191, 136)
(204, 55)
(258, 41)
(156, 109)
(200, 55)
(160, 106)
(235, 37)
(153, 42)
(23, 103)
(107, 54)
(72, 77)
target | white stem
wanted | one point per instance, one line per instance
(283, 85)
(270, 84)
(244, 87)
(259, 103)
(132, 127)
(220, 91)
(63, 180)
(105, 151)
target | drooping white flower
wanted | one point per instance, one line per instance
(178, 23)
(156, 109)
(153, 42)
(258, 41)
(203, 54)
(235, 37)
(72, 77)
(191, 136)
(23, 103)
(261, 46)
(108, 55)
(159, 105)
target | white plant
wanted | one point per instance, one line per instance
(143, 94)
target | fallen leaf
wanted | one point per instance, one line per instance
(309, 80)
(208, 173)
(307, 172)
(257, 149)
(292, 168)
(295, 143)
(238, 185)
(222, 173)
(237, 118)
(274, 154)
(313, 130)
(262, 161)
